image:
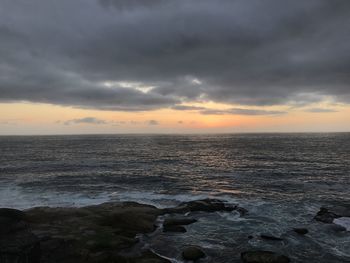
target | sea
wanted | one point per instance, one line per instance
(281, 179)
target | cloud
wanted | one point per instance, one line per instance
(238, 111)
(9, 122)
(153, 122)
(187, 108)
(86, 120)
(320, 110)
(238, 52)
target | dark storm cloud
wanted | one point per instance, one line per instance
(235, 51)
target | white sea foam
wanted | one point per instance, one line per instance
(343, 221)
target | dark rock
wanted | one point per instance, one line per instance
(263, 257)
(326, 216)
(176, 229)
(92, 234)
(250, 237)
(146, 257)
(193, 253)
(242, 211)
(11, 220)
(336, 228)
(13, 214)
(178, 221)
(301, 231)
(205, 205)
(269, 237)
(21, 246)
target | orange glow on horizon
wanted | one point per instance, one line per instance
(30, 118)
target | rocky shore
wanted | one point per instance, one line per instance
(109, 232)
(100, 233)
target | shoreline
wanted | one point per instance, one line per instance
(112, 232)
(99, 233)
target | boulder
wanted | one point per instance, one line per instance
(336, 228)
(301, 231)
(325, 216)
(13, 214)
(193, 253)
(178, 221)
(242, 211)
(11, 220)
(176, 229)
(263, 257)
(328, 214)
(270, 237)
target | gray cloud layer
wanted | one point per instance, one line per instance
(234, 51)
(86, 120)
(238, 111)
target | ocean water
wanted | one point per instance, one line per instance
(282, 179)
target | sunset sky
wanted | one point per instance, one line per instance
(164, 66)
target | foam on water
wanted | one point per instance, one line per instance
(343, 221)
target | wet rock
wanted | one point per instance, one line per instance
(178, 221)
(205, 205)
(17, 243)
(13, 214)
(343, 222)
(11, 220)
(301, 231)
(144, 257)
(263, 257)
(176, 229)
(242, 211)
(193, 253)
(147, 257)
(21, 246)
(250, 237)
(336, 228)
(92, 234)
(325, 216)
(270, 237)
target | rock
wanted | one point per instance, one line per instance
(176, 229)
(343, 222)
(301, 231)
(92, 234)
(147, 257)
(11, 220)
(205, 205)
(269, 237)
(178, 221)
(17, 242)
(336, 228)
(325, 216)
(13, 214)
(250, 237)
(193, 253)
(242, 211)
(21, 246)
(263, 257)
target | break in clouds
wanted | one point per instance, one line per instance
(134, 55)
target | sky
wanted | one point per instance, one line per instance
(165, 66)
